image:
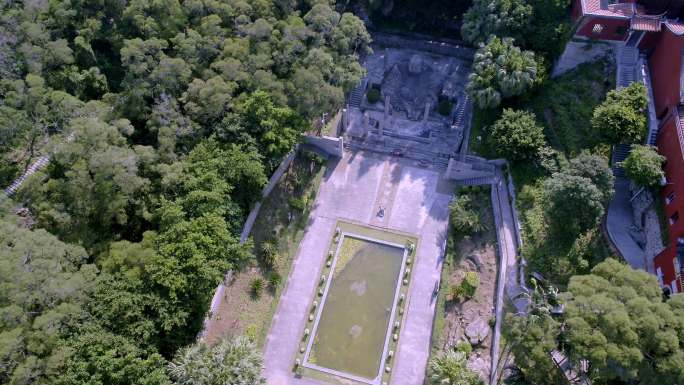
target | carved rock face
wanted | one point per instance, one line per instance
(416, 64)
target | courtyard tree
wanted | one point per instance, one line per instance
(595, 168)
(485, 18)
(621, 118)
(617, 320)
(231, 361)
(573, 204)
(517, 136)
(500, 70)
(450, 368)
(465, 220)
(644, 165)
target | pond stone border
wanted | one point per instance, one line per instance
(319, 311)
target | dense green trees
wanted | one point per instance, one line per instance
(616, 319)
(517, 136)
(500, 70)
(500, 17)
(538, 25)
(44, 285)
(644, 165)
(621, 118)
(163, 121)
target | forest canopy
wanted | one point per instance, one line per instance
(163, 120)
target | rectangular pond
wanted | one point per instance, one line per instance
(352, 329)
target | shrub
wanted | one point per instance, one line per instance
(468, 286)
(644, 166)
(465, 220)
(444, 107)
(451, 367)
(269, 254)
(470, 283)
(621, 118)
(274, 280)
(256, 287)
(517, 136)
(465, 347)
(314, 157)
(373, 95)
(297, 203)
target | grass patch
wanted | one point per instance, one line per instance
(564, 106)
(240, 311)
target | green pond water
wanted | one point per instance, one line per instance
(351, 332)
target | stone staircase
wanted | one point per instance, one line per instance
(627, 66)
(477, 181)
(439, 161)
(356, 95)
(627, 60)
(35, 166)
(460, 114)
(620, 153)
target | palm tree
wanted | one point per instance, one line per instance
(234, 361)
(450, 368)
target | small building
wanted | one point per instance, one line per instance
(652, 29)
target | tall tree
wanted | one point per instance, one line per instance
(617, 320)
(621, 118)
(644, 165)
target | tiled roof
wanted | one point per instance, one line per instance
(614, 10)
(645, 23)
(676, 27)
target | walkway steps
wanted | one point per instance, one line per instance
(35, 166)
(356, 95)
(620, 153)
(477, 181)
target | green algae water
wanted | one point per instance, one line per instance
(352, 330)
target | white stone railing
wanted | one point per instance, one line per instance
(645, 78)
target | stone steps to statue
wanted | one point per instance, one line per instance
(476, 181)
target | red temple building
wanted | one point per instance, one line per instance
(650, 32)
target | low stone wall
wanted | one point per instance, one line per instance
(444, 47)
(327, 144)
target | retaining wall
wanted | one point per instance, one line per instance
(328, 144)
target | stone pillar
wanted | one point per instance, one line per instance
(385, 60)
(345, 120)
(385, 115)
(426, 113)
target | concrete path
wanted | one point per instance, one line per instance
(618, 223)
(508, 264)
(416, 201)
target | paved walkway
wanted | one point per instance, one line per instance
(619, 221)
(416, 201)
